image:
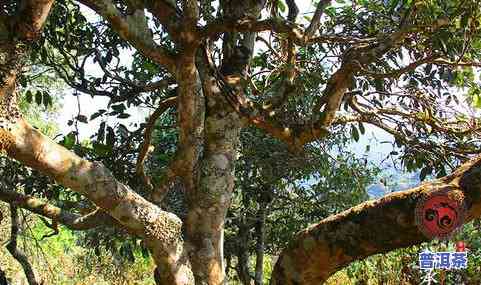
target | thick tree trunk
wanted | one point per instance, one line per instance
(369, 228)
(209, 203)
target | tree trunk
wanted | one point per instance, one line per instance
(260, 237)
(243, 253)
(208, 204)
(18, 254)
(372, 227)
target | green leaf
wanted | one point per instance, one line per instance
(119, 108)
(424, 172)
(330, 11)
(123, 116)
(83, 119)
(38, 98)
(110, 136)
(361, 128)
(354, 133)
(47, 99)
(393, 4)
(101, 132)
(124, 132)
(281, 6)
(23, 81)
(101, 149)
(28, 96)
(69, 140)
(97, 114)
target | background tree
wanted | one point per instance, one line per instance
(389, 64)
(270, 179)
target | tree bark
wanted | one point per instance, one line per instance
(208, 204)
(372, 227)
(161, 230)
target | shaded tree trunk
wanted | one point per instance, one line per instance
(260, 240)
(243, 253)
(18, 254)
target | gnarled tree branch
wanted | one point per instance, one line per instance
(316, 19)
(369, 228)
(161, 230)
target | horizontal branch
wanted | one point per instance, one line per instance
(457, 63)
(398, 72)
(324, 112)
(219, 26)
(160, 230)
(374, 117)
(372, 227)
(70, 220)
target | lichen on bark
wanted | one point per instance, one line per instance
(6, 140)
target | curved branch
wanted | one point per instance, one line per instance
(398, 72)
(219, 26)
(91, 179)
(144, 149)
(369, 228)
(161, 230)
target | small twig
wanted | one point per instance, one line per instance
(53, 226)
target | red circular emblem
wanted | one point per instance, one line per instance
(440, 213)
